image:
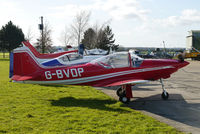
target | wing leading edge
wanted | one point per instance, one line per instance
(125, 82)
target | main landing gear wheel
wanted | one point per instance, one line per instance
(124, 93)
(120, 92)
(122, 96)
(165, 95)
(124, 99)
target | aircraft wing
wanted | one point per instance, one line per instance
(136, 82)
(124, 82)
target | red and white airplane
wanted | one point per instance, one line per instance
(119, 69)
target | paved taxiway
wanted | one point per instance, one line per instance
(181, 110)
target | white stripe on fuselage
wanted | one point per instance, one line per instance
(27, 50)
(98, 77)
(86, 79)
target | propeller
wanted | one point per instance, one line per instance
(181, 56)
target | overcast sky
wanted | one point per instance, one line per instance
(135, 23)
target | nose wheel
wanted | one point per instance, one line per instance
(164, 94)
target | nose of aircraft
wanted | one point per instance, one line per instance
(182, 64)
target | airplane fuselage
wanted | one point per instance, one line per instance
(94, 74)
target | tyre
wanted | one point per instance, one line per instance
(120, 92)
(124, 100)
(165, 95)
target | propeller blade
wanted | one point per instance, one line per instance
(181, 56)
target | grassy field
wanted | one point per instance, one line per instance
(27, 108)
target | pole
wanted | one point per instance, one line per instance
(42, 27)
(164, 49)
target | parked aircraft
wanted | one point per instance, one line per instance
(118, 69)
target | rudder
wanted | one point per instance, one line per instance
(24, 65)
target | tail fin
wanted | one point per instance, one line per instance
(32, 49)
(45, 56)
(23, 66)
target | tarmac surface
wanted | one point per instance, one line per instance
(181, 110)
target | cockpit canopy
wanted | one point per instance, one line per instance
(136, 60)
(119, 60)
(69, 57)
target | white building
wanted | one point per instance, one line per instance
(193, 40)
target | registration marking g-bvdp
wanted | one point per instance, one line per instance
(62, 73)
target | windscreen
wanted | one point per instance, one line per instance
(136, 60)
(116, 60)
(69, 57)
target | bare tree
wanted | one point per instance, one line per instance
(29, 35)
(80, 24)
(46, 39)
(99, 28)
(66, 37)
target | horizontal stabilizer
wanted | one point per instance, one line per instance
(21, 78)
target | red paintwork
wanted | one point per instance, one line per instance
(128, 90)
(45, 56)
(27, 69)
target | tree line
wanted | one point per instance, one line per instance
(103, 39)
(91, 36)
(79, 32)
(10, 37)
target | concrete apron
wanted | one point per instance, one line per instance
(181, 110)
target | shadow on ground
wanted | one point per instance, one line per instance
(176, 108)
(90, 103)
(53, 85)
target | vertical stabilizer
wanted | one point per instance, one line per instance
(24, 67)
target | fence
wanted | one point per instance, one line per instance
(4, 55)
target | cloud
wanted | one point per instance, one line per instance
(7, 11)
(187, 17)
(69, 10)
(116, 9)
(124, 9)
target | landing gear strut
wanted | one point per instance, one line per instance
(124, 93)
(164, 94)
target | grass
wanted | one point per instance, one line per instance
(27, 108)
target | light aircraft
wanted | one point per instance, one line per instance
(122, 69)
